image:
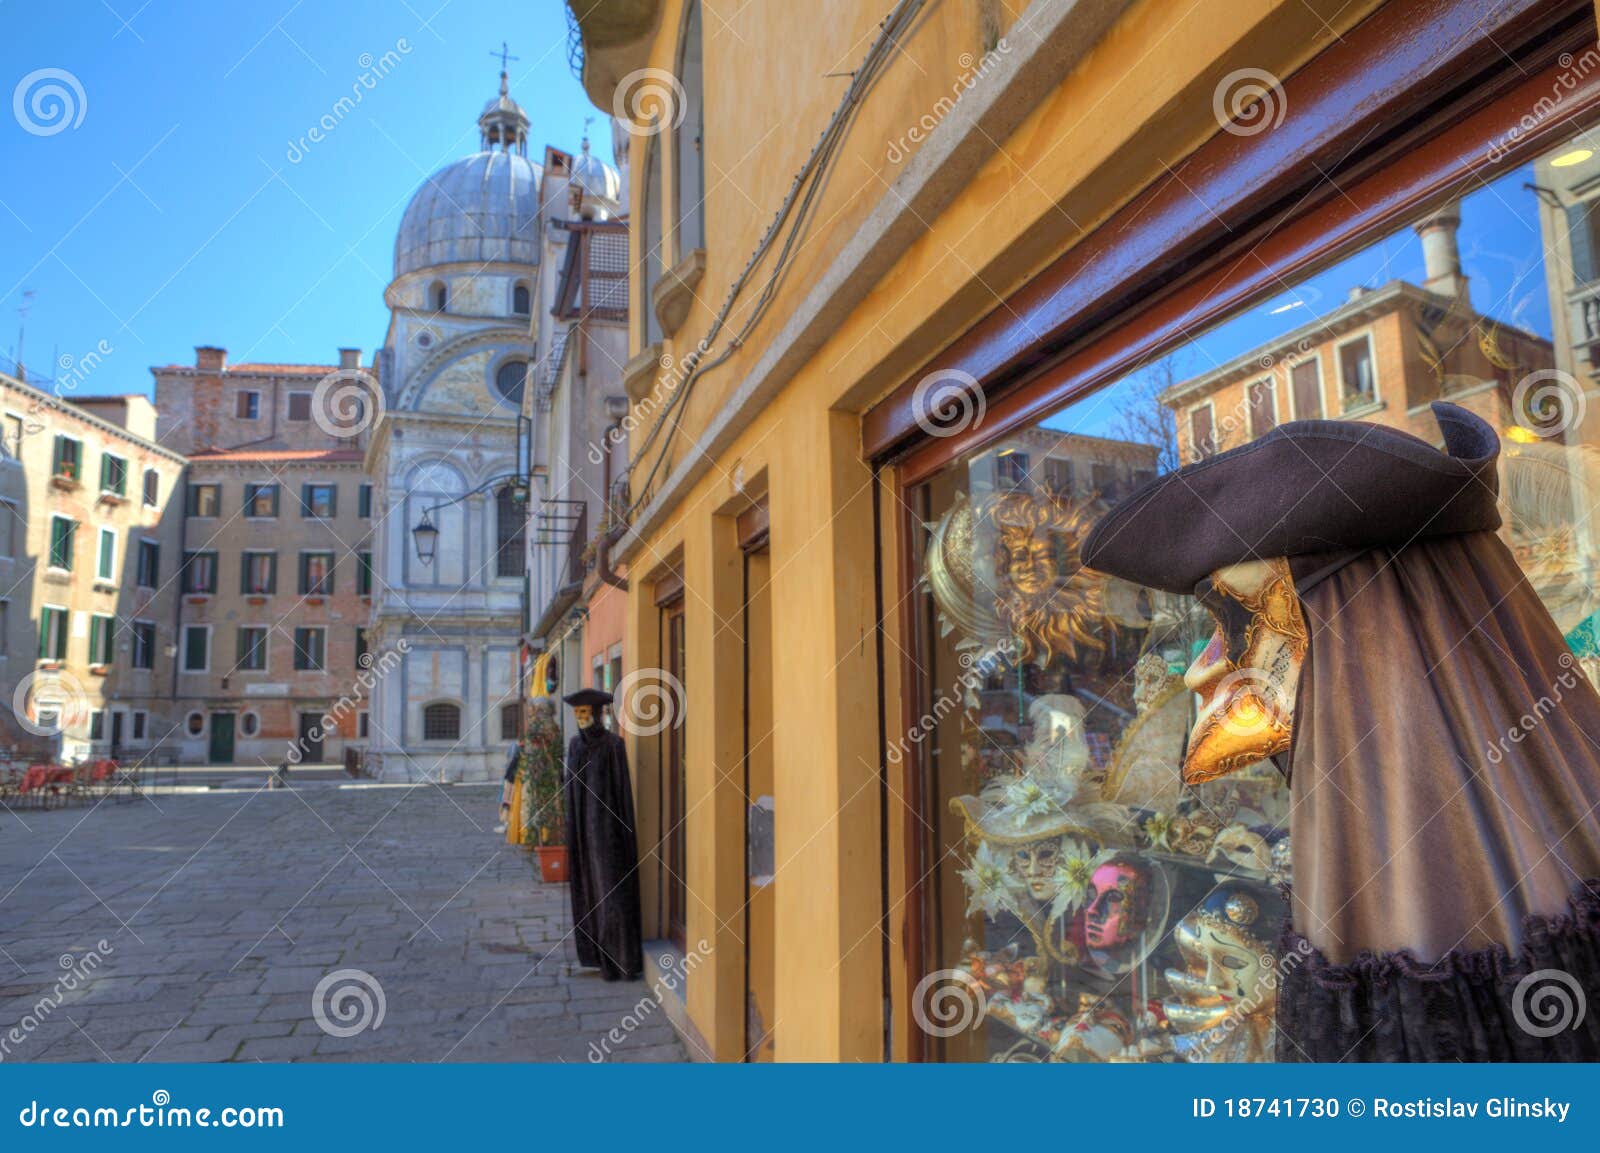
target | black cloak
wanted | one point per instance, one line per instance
(602, 855)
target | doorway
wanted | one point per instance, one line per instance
(221, 752)
(311, 738)
(760, 929)
(118, 718)
(675, 856)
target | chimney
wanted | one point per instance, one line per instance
(209, 358)
(1441, 259)
(349, 358)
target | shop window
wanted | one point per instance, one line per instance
(441, 721)
(1070, 867)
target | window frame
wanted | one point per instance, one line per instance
(136, 630)
(151, 547)
(192, 499)
(75, 473)
(254, 404)
(105, 562)
(290, 400)
(107, 459)
(1270, 382)
(71, 544)
(1362, 337)
(150, 492)
(253, 490)
(189, 586)
(246, 558)
(427, 716)
(47, 614)
(102, 636)
(303, 651)
(307, 511)
(184, 651)
(326, 585)
(263, 649)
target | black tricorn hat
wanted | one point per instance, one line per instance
(1307, 487)
(594, 698)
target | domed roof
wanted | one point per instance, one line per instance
(595, 176)
(484, 207)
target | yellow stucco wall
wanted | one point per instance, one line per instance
(1140, 100)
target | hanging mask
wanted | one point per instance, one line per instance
(1247, 676)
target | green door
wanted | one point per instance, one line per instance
(221, 738)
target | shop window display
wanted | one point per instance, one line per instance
(1108, 815)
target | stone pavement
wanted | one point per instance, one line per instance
(221, 913)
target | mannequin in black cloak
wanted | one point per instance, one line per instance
(1378, 641)
(602, 852)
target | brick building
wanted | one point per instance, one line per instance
(275, 524)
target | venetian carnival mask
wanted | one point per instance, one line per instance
(1248, 674)
(1116, 913)
(1035, 866)
(1230, 973)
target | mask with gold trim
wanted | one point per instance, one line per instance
(1248, 673)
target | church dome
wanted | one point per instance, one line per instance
(595, 176)
(482, 208)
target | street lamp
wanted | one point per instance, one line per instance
(427, 538)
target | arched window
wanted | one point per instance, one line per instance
(441, 721)
(511, 519)
(520, 305)
(688, 140)
(439, 296)
(510, 380)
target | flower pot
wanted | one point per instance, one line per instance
(552, 863)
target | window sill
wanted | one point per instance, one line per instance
(256, 599)
(108, 497)
(99, 670)
(105, 585)
(314, 600)
(1365, 408)
(57, 576)
(672, 296)
(639, 374)
(197, 598)
(65, 482)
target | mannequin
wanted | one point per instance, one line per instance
(602, 851)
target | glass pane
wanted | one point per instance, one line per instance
(1072, 865)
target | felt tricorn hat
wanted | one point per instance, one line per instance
(593, 698)
(1307, 488)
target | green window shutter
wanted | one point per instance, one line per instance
(305, 500)
(272, 573)
(44, 633)
(333, 501)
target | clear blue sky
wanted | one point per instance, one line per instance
(172, 214)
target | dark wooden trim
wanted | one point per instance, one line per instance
(668, 589)
(753, 526)
(914, 934)
(1367, 105)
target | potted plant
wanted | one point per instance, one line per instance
(544, 809)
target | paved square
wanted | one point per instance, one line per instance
(222, 912)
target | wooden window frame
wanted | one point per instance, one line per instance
(1414, 105)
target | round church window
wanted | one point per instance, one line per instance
(509, 381)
